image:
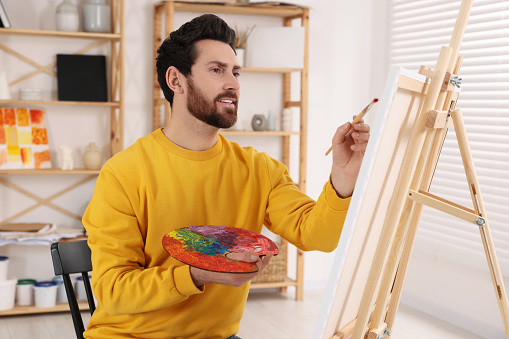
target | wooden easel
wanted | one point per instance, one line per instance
(395, 246)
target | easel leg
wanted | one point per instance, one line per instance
(489, 249)
(430, 164)
(425, 181)
(405, 235)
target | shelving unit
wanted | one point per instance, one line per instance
(164, 15)
(59, 307)
(115, 44)
(116, 39)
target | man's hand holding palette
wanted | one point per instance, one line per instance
(207, 247)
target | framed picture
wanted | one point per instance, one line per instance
(23, 139)
(82, 78)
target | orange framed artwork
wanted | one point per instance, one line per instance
(23, 139)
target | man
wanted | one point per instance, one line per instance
(187, 174)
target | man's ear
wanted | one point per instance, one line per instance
(174, 80)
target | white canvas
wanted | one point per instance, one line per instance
(384, 156)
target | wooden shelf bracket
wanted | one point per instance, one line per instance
(43, 201)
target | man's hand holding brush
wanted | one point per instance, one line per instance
(348, 146)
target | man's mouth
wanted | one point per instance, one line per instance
(230, 103)
(226, 101)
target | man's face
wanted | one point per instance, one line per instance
(213, 87)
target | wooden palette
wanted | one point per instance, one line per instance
(206, 247)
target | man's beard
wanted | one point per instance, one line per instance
(206, 111)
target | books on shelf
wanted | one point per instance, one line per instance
(4, 20)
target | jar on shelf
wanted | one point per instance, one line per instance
(67, 17)
(45, 294)
(96, 16)
(25, 292)
(4, 265)
(92, 158)
(30, 94)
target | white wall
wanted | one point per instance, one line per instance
(346, 72)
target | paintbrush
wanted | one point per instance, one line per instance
(356, 120)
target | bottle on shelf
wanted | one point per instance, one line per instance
(271, 124)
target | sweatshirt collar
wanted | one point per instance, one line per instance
(185, 153)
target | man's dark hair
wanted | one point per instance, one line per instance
(179, 48)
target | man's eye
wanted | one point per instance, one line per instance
(236, 74)
(217, 70)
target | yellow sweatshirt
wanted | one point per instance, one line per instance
(154, 187)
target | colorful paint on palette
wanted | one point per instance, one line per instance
(206, 247)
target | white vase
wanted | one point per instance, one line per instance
(5, 93)
(271, 124)
(67, 17)
(96, 16)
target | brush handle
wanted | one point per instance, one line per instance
(356, 120)
(328, 151)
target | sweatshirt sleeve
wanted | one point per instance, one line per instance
(117, 242)
(293, 215)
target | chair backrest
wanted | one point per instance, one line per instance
(71, 257)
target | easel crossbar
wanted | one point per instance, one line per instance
(413, 85)
(444, 205)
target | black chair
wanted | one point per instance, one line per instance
(71, 257)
